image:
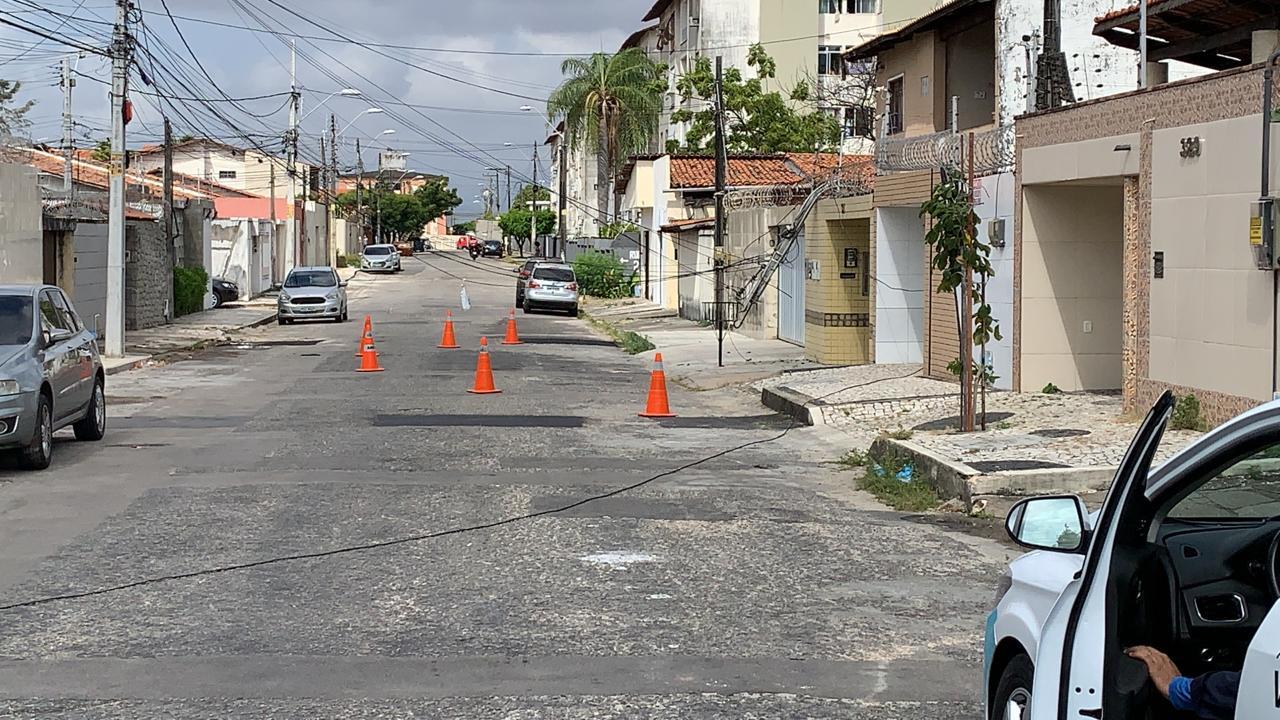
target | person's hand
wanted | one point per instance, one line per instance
(1159, 666)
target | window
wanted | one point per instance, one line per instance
(553, 274)
(862, 6)
(830, 60)
(858, 121)
(894, 109)
(828, 7)
(226, 174)
(15, 319)
(311, 278)
(1247, 490)
(69, 319)
(50, 318)
(378, 250)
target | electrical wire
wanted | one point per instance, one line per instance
(61, 25)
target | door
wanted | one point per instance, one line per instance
(81, 350)
(1074, 654)
(791, 293)
(1260, 680)
(61, 365)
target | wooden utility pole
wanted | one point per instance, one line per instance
(966, 314)
(722, 167)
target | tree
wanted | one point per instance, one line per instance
(464, 228)
(13, 117)
(515, 223)
(438, 198)
(530, 193)
(402, 216)
(610, 105)
(102, 151)
(756, 121)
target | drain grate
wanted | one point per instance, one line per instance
(543, 421)
(565, 340)
(988, 466)
(1059, 433)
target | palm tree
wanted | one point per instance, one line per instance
(610, 103)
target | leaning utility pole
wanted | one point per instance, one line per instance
(121, 52)
(722, 162)
(168, 210)
(291, 155)
(533, 206)
(562, 226)
(68, 82)
(359, 185)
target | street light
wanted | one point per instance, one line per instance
(367, 111)
(345, 92)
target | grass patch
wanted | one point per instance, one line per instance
(882, 481)
(632, 342)
(853, 460)
(900, 434)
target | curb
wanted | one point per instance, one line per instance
(955, 479)
(143, 360)
(795, 405)
(126, 367)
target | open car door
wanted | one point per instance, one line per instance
(1073, 657)
(1260, 680)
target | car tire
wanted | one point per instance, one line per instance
(573, 311)
(344, 316)
(39, 452)
(279, 320)
(1013, 693)
(93, 426)
(217, 300)
(526, 306)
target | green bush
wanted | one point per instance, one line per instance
(189, 287)
(1186, 414)
(603, 276)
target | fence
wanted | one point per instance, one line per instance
(992, 151)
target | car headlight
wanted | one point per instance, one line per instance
(9, 387)
(1002, 587)
(284, 298)
(331, 296)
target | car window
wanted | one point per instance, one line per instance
(1247, 490)
(377, 250)
(50, 318)
(553, 274)
(311, 278)
(15, 319)
(69, 319)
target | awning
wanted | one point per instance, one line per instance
(1214, 34)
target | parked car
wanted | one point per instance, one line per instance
(523, 273)
(405, 248)
(380, 257)
(551, 285)
(464, 242)
(492, 248)
(1185, 558)
(51, 374)
(312, 293)
(224, 291)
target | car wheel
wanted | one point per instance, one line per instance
(94, 424)
(526, 306)
(217, 300)
(1013, 694)
(573, 311)
(39, 452)
(279, 320)
(344, 315)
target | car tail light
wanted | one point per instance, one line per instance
(572, 286)
(533, 285)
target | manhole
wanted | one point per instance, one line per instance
(1059, 433)
(990, 466)
(546, 421)
(565, 340)
(747, 422)
(953, 422)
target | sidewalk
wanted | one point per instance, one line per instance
(189, 331)
(690, 351)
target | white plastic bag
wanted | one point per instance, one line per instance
(466, 300)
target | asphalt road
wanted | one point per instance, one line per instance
(757, 584)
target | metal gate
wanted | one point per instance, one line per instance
(791, 293)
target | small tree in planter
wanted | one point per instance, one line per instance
(957, 252)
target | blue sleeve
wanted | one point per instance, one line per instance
(1180, 694)
(1213, 695)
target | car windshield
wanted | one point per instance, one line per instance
(311, 278)
(15, 319)
(553, 274)
(377, 250)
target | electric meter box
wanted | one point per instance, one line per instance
(1262, 233)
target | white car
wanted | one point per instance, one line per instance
(551, 286)
(1185, 558)
(380, 257)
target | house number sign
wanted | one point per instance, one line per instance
(1190, 147)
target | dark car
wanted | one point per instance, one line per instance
(224, 291)
(523, 273)
(492, 248)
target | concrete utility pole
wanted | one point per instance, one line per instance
(722, 167)
(68, 82)
(121, 57)
(562, 226)
(359, 186)
(533, 206)
(1032, 46)
(1142, 43)
(508, 168)
(168, 210)
(333, 187)
(291, 155)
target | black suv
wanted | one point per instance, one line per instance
(492, 248)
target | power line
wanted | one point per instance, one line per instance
(61, 24)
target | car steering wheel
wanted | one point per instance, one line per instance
(1273, 559)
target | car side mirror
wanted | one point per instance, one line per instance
(1050, 522)
(342, 283)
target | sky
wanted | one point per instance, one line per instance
(470, 41)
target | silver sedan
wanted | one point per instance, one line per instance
(312, 293)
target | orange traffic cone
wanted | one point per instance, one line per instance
(369, 357)
(448, 341)
(512, 338)
(365, 335)
(484, 372)
(368, 324)
(657, 407)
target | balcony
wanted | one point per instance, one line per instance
(992, 151)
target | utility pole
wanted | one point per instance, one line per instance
(508, 187)
(333, 186)
(1032, 46)
(722, 162)
(562, 226)
(121, 58)
(68, 82)
(533, 205)
(291, 155)
(966, 313)
(321, 187)
(1142, 43)
(168, 210)
(359, 185)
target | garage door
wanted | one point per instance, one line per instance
(90, 291)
